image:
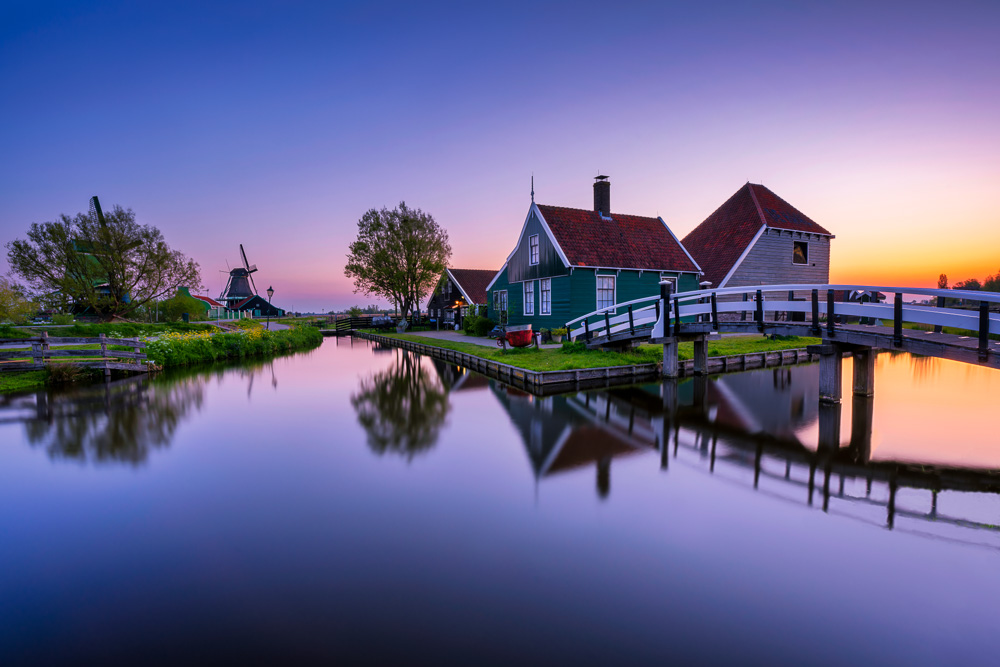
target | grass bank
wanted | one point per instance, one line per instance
(181, 349)
(573, 356)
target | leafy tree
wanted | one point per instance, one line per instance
(943, 281)
(399, 254)
(114, 268)
(14, 304)
(992, 283)
(970, 284)
(354, 311)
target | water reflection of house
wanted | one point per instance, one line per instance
(456, 378)
(571, 432)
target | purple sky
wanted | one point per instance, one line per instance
(279, 124)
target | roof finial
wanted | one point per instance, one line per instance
(532, 187)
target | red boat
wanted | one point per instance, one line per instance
(518, 336)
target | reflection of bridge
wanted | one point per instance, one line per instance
(732, 425)
(696, 316)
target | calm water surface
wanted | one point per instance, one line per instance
(357, 504)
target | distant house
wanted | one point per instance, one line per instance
(568, 262)
(257, 306)
(213, 309)
(757, 238)
(456, 292)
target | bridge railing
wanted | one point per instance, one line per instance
(755, 304)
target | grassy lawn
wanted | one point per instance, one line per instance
(14, 382)
(571, 357)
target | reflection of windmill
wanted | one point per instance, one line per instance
(240, 286)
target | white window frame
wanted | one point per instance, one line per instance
(545, 287)
(533, 249)
(529, 299)
(614, 292)
(805, 263)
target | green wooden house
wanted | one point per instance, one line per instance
(569, 262)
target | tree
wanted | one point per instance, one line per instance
(113, 269)
(992, 283)
(970, 284)
(173, 309)
(399, 254)
(943, 281)
(14, 304)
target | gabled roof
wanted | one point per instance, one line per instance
(472, 283)
(209, 300)
(722, 240)
(617, 241)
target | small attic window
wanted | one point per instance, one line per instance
(533, 249)
(800, 252)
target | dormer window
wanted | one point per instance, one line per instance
(533, 249)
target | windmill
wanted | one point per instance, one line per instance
(240, 286)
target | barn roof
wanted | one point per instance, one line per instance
(719, 242)
(209, 300)
(472, 283)
(618, 241)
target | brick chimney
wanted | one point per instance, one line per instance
(602, 196)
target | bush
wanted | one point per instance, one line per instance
(62, 319)
(469, 324)
(175, 349)
(8, 331)
(483, 326)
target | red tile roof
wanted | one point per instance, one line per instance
(624, 241)
(209, 300)
(718, 242)
(473, 282)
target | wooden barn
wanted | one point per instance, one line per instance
(456, 292)
(568, 262)
(757, 238)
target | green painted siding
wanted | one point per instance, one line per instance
(519, 267)
(576, 294)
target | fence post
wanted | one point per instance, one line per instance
(104, 357)
(829, 314)
(631, 322)
(677, 316)
(45, 347)
(586, 328)
(984, 327)
(897, 320)
(36, 353)
(136, 349)
(607, 325)
(815, 313)
(743, 313)
(715, 313)
(759, 316)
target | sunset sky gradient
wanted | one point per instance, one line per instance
(279, 124)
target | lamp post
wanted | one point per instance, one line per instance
(270, 293)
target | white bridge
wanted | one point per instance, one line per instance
(855, 326)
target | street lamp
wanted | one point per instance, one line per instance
(270, 293)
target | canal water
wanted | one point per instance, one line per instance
(358, 504)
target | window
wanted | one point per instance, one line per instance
(496, 300)
(529, 297)
(533, 249)
(800, 252)
(545, 285)
(503, 306)
(605, 292)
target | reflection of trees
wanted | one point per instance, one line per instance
(115, 423)
(402, 409)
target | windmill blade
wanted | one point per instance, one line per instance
(250, 276)
(95, 210)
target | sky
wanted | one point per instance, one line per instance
(277, 125)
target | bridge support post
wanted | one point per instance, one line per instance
(864, 372)
(700, 355)
(862, 413)
(670, 358)
(831, 363)
(829, 426)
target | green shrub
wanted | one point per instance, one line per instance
(62, 319)
(571, 347)
(8, 331)
(559, 332)
(469, 324)
(484, 325)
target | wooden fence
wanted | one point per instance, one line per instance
(42, 353)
